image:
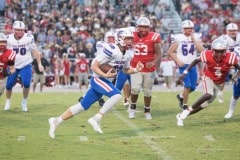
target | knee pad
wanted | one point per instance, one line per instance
(135, 90)
(147, 92)
(212, 98)
(204, 105)
(77, 108)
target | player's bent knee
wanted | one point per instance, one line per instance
(147, 92)
(135, 90)
(204, 105)
(26, 84)
(193, 89)
(211, 98)
(118, 97)
(77, 108)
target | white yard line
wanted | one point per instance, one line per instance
(154, 146)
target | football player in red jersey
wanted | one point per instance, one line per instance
(7, 58)
(147, 50)
(217, 62)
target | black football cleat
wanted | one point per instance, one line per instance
(180, 100)
(80, 99)
(101, 102)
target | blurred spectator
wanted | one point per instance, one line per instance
(8, 28)
(82, 70)
(40, 76)
(66, 64)
(168, 70)
(2, 8)
(42, 38)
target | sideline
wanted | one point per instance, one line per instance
(156, 88)
(155, 147)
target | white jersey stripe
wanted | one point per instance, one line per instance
(232, 58)
(155, 36)
(203, 56)
(12, 55)
(102, 84)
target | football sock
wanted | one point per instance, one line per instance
(147, 109)
(59, 119)
(181, 95)
(233, 104)
(184, 114)
(109, 104)
(97, 117)
(133, 106)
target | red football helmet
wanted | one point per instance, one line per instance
(3, 42)
(19, 28)
(143, 26)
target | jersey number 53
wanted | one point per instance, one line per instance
(140, 49)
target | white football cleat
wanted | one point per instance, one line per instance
(96, 126)
(126, 103)
(53, 126)
(7, 105)
(220, 100)
(24, 106)
(179, 120)
(229, 115)
(148, 116)
(131, 113)
(220, 97)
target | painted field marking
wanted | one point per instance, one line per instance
(154, 146)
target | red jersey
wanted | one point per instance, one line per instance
(82, 65)
(7, 56)
(144, 49)
(217, 71)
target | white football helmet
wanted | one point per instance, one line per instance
(219, 49)
(232, 29)
(187, 27)
(143, 26)
(219, 44)
(143, 21)
(121, 34)
(187, 24)
(19, 28)
(109, 37)
(19, 25)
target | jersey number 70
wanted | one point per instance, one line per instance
(22, 51)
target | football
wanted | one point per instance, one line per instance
(106, 67)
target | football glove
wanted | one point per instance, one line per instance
(5, 72)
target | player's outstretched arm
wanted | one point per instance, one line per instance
(37, 54)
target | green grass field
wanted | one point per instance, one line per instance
(205, 136)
